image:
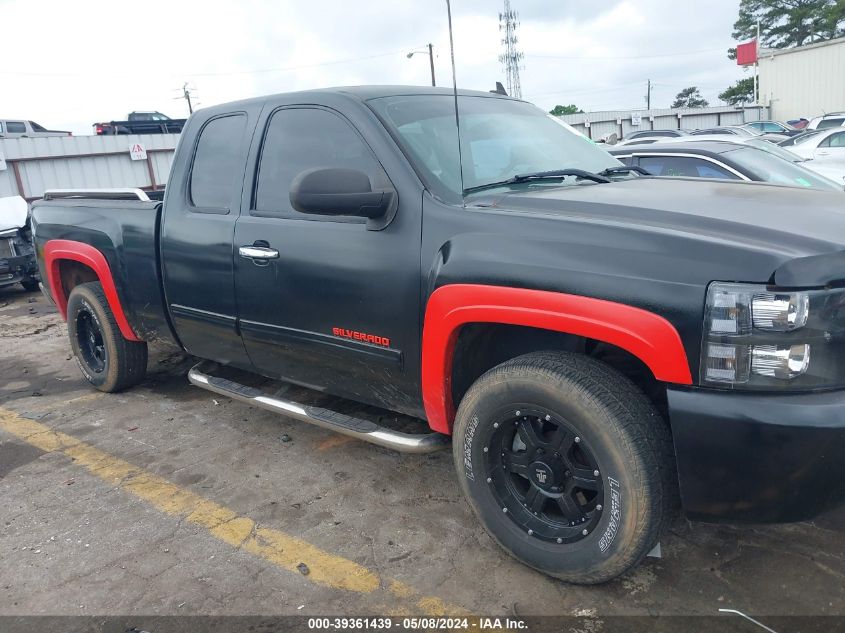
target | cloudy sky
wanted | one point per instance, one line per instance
(72, 63)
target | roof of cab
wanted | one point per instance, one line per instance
(364, 93)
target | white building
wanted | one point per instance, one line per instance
(804, 81)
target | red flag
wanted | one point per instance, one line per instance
(746, 54)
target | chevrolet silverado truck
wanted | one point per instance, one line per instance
(600, 346)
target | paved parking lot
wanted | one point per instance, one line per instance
(168, 499)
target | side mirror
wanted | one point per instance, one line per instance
(337, 191)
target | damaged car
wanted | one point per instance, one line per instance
(17, 256)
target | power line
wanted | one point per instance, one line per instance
(214, 74)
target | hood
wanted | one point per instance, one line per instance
(13, 212)
(787, 222)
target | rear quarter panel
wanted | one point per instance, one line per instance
(125, 232)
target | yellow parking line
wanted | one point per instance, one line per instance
(280, 549)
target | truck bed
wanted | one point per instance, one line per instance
(126, 233)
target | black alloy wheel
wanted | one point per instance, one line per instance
(89, 337)
(544, 476)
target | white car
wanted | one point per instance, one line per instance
(834, 119)
(828, 146)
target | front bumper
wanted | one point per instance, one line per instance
(746, 457)
(15, 269)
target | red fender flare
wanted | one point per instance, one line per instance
(646, 335)
(57, 250)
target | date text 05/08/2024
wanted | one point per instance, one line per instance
(413, 624)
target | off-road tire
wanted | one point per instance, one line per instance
(629, 440)
(119, 363)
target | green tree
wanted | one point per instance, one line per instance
(741, 92)
(785, 23)
(558, 110)
(689, 98)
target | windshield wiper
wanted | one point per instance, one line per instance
(555, 174)
(624, 169)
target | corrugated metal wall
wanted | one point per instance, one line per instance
(602, 124)
(72, 162)
(803, 82)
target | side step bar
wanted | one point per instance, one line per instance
(354, 427)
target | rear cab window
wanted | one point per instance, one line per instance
(217, 165)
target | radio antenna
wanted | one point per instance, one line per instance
(455, 91)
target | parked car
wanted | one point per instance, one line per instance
(141, 123)
(771, 127)
(577, 330)
(798, 124)
(655, 134)
(733, 130)
(834, 119)
(17, 128)
(827, 146)
(830, 170)
(17, 257)
(723, 160)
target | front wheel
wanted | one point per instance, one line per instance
(109, 361)
(567, 465)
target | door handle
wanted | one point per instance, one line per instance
(823, 152)
(258, 252)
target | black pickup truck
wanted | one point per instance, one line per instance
(141, 123)
(600, 346)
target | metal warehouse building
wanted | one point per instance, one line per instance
(804, 81)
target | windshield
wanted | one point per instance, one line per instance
(500, 138)
(771, 168)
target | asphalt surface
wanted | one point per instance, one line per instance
(170, 500)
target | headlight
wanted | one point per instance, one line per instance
(758, 337)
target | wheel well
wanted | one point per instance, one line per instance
(73, 273)
(482, 346)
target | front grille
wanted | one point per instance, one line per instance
(6, 249)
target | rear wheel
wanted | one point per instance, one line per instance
(109, 361)
(566, 463)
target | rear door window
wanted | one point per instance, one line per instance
(217, 168)
(15, 127)
(834, 140)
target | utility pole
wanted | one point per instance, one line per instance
(186, 94)
(511, 57)
(430, 53)
(431, 62)
(648, 95)
(756, 61)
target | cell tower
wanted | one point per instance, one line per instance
(511, 57)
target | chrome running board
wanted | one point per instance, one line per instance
(339, 422)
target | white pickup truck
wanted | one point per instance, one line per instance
(15, 128)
